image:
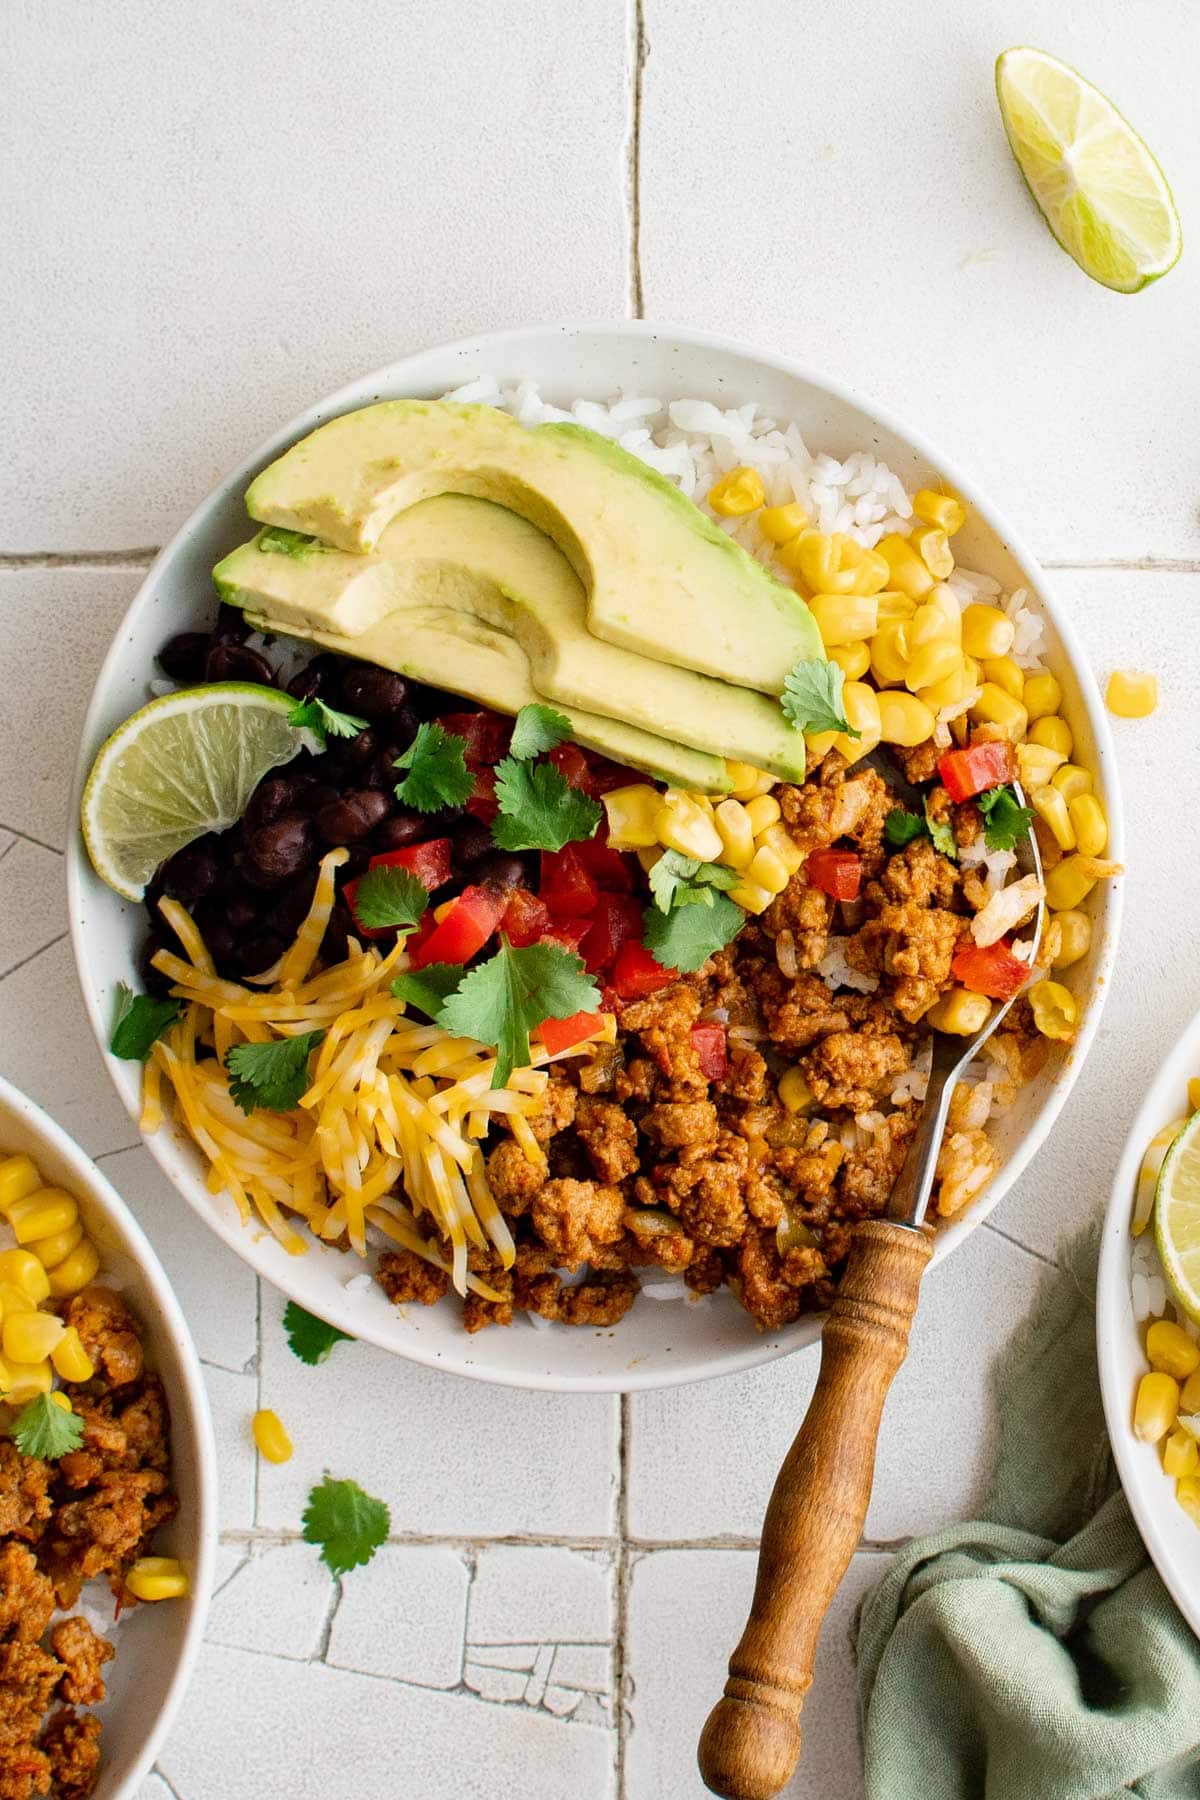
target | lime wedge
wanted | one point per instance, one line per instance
(1103, 194)
(183, 765)
(1177, 1217)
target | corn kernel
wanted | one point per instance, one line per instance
(960, 1012)
(1193, 1093)
(272, 1440)
(860, 704)
(903, 719)
(750, 896)
(1071, 780)
(779, 839)
(942, 510)
(23, 1269)
(794, 1091)
(1180, 1454)
(682, 825)
(42, 1213)
(1049, 805)
(987, 631)
(780, 523)
(70, 1359)
(1187, 1492)
(746, 781)
(741, 491)
(954, 689)
(1055, 1009)
(75, 1271)
(1042, 696)
(1130, 695)
(844, 618)
(60, 1400)
(14, 1299)
(932, 663)
(933, 547)
(1036, 765)
(51, 1250)
(890, 652)
(1170, 1350)
(737, 834)
(762, 812)
(893, 605)
(632, 814)
(768, 870)
(18, 1177)
(997, 707)
(1075, 938)
(1091, 825)
(945, 602)
(1054, 733)
(30, 1337)
(157, 1578)
(1189, 1399)
(1067, 884)
(1004, 673)
(1155, 1407)
(852, 659)
(833, 563)
(27, 1380)
(906, 570)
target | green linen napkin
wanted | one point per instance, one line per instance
(1034, 1654)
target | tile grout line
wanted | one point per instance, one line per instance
(33, 956)
(12, 561)
(235, 1537)
(27, 838)
(634, 165)
(1038, 1255)
(621, 1607)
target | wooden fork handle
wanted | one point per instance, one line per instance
(814, 1522)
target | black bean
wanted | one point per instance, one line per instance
(501, 870)
(349, 817)
(231, 626)
(277, 794)
(233, 662)
(314, 680)
(431, 703)
(191, 872)
(254, 954)
(402, 829)
(472, 841)
(183, 657)
(381, 772)
(278, 851)
(355, 752)
(240, 912)
(402, 729)
(222, 942)
(372, 693)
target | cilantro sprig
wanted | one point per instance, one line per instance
(427, 988)
(1005, 820)
(687, 936)
(812, 697)
(941, 831)
(273, 1075)
(347, 1523)
(47, 1430)
(539, 809)
(140, 1022)
(538, 729)
(677, 880)
(901, 827)
(390, 896)
(325, 721)
(437, 773)
(310, 1338)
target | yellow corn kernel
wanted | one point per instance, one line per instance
(903, 719)
(70, 1359)
(1042, 696)
(747, 781)
(737, 834)
(23, 1269)
(779, 839)
(945, 602)
(1049, 805)
(1004, 673)
(778, 524)
(1071, 780)
(833, 563)
(682, 825)
(1067, 884)
(987, 631)
(1187, 1492)
(794, 1091)
(1037, 765)
(14, 1299)
(5, 1380)
(893, 605)
(768, 870)
(18, 1176)
(272, 1440)
(51, 1250)
(1193, 1093)
(1130, 695)
(960, 1012)
(932, 663)
(42, 1213)
(1155, 1407)
(996, 707)
(762, 812)
(1189, 1399)
(932, 624)
(955, 688)
(852, 659)
(157, 1578)
(1180, 1454)
(60, 1400)
(1055, 1009)
(30, 1337)
(942, 510)
(750, 896)
(890, 652)
(906, 570)
(75, 1271)
(1091, 824)
(1075, 938)
(27, 1380)
(632, 814)
(933, 547)
(741, 491)
(1054, 733)
(1170, 1350)
(844, 618)
(860, 704)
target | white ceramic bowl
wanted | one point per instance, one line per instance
(1172, 1539)
(156, 1645)
(656, 1344)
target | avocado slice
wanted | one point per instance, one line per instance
(660, 578)
(467, 554)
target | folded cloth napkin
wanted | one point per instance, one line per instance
(1034, 1654)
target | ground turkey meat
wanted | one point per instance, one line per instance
(72, 1742)
(513, 1179)
(83, 1654)
(849, 1069)
(28, 1677)
(682, 1125)
(919, 874)
(404, 1277)
(914, 947)
(105, 1530)
(609, 1136)
(25, 1503)
(26, 1596)
(573, 1218)
(768, 1297)
(557, 1109)
(868, 1175)
(664, 1023)
(108, 1334)
(801, 915)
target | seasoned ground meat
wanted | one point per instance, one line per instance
(801, 916)
(573, 1217)
(682, 1125)
(664, 1023)
(770, 1300)
(919, 874)
(82, 1654)
(26, 1596)
(920, 762)
(913, 946)
(25, 1503)
(72, 1743)
(850, 1070)
(601, 1300)
(107, 1528)
(28, 1677)
(557, 1109)
(406, 1277)
(513, 1179)
(609, 1136)
(108, 1334)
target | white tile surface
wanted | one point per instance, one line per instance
(233, 1400)
(33, 909)
(408, 1621)
(524, 1595)
(279, 1603)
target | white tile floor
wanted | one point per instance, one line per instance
(221, 213)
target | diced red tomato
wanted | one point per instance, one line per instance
(977, 767)
(636, 973)
(465, 929)
(992, 970)
(596, 775)
(482, 802)
(570, 933)
(572, 764)
(709, 1039)
(425, 930)
(837, 873)
(567, 885)
(611, 870)
(487, 734)
(618, 917)
(429, 862)
(563, 1034)
(526, 918)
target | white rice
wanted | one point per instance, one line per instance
(836, 972)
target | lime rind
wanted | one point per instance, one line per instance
(1177, 1218)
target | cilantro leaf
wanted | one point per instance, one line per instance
(942, 833)
(311, 1339)
(538, 728)
(274, 1075)
(687, 936)
(1005, 819)
(325, 721)
(901, 827)
(140, 1022)
(677, 880)
(429, 987)
(539, 810)
(348, 1524)
(390, 897)
(44, 1429)
(812, 697)
(285, 542)
(502, 1000)
(437, 770)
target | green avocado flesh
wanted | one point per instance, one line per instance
(473, 561)
(659, 578)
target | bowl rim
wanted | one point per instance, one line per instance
(397, 379)
(91, 1182)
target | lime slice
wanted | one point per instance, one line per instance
(183, 765)
(1103, 194)
(1177, 1217)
